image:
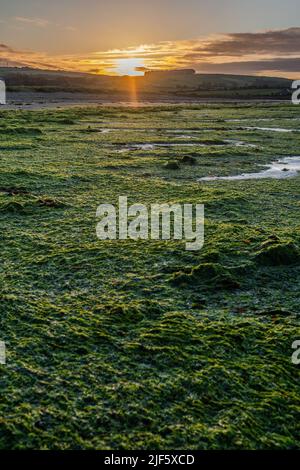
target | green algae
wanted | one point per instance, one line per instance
(141, 344)
(277, 254)
(171, 166)
(213, 274)
(188, 160)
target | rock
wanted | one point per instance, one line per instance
(171, 166)
(187, 160)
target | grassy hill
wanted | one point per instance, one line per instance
(183, 83)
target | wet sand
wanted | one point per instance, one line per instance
(38, 100)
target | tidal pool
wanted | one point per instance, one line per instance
(283, 168)
(153, 146)
(270, 129)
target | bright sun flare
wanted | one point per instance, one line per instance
(128, 66)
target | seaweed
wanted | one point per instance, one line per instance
(171, 166)
(188, 160)
(212, 274)
(140, 344)
(278, 254)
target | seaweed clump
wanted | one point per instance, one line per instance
(210, 274)
(12, 207)
(275, 253)
(171, 166)
(22, 131)
(188, 160)
(50, 202)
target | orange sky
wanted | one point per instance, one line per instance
(271, 53)
(126, 36)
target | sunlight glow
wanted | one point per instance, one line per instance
(128, 66)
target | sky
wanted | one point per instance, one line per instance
(120, 37)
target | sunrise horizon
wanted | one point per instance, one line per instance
(135, 66)
(216, 54)
(129, 38)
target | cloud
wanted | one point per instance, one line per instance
(230, 53)
(5, 48)
(141, 69)
(270, 52)
(275, 42)
(18, 58)
(276, 65)
(41, 23)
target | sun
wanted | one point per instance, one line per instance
(129, 66)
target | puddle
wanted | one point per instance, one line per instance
(247, 119)
(160, 130)
(239, 143)
(269, 129)
(101, 130)
(292, 118)
(154, 146)
(186, 136)
(127, 129)
(182, 131)
(283, 168)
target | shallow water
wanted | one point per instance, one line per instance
(292, 118)
(283, 168)
(153, 146)
(239, 143)
(269, 129)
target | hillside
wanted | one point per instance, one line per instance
(185, 83)
(177, 82)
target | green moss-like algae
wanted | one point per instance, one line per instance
(143, 345)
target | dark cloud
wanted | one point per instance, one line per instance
(270, 42)
(141, 69)
(5, 48)
(283, 65)
(269, 53)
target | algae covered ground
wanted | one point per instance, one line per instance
(142, 344)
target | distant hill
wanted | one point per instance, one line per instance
(190, 79)
(185, 83)
(28, 77)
